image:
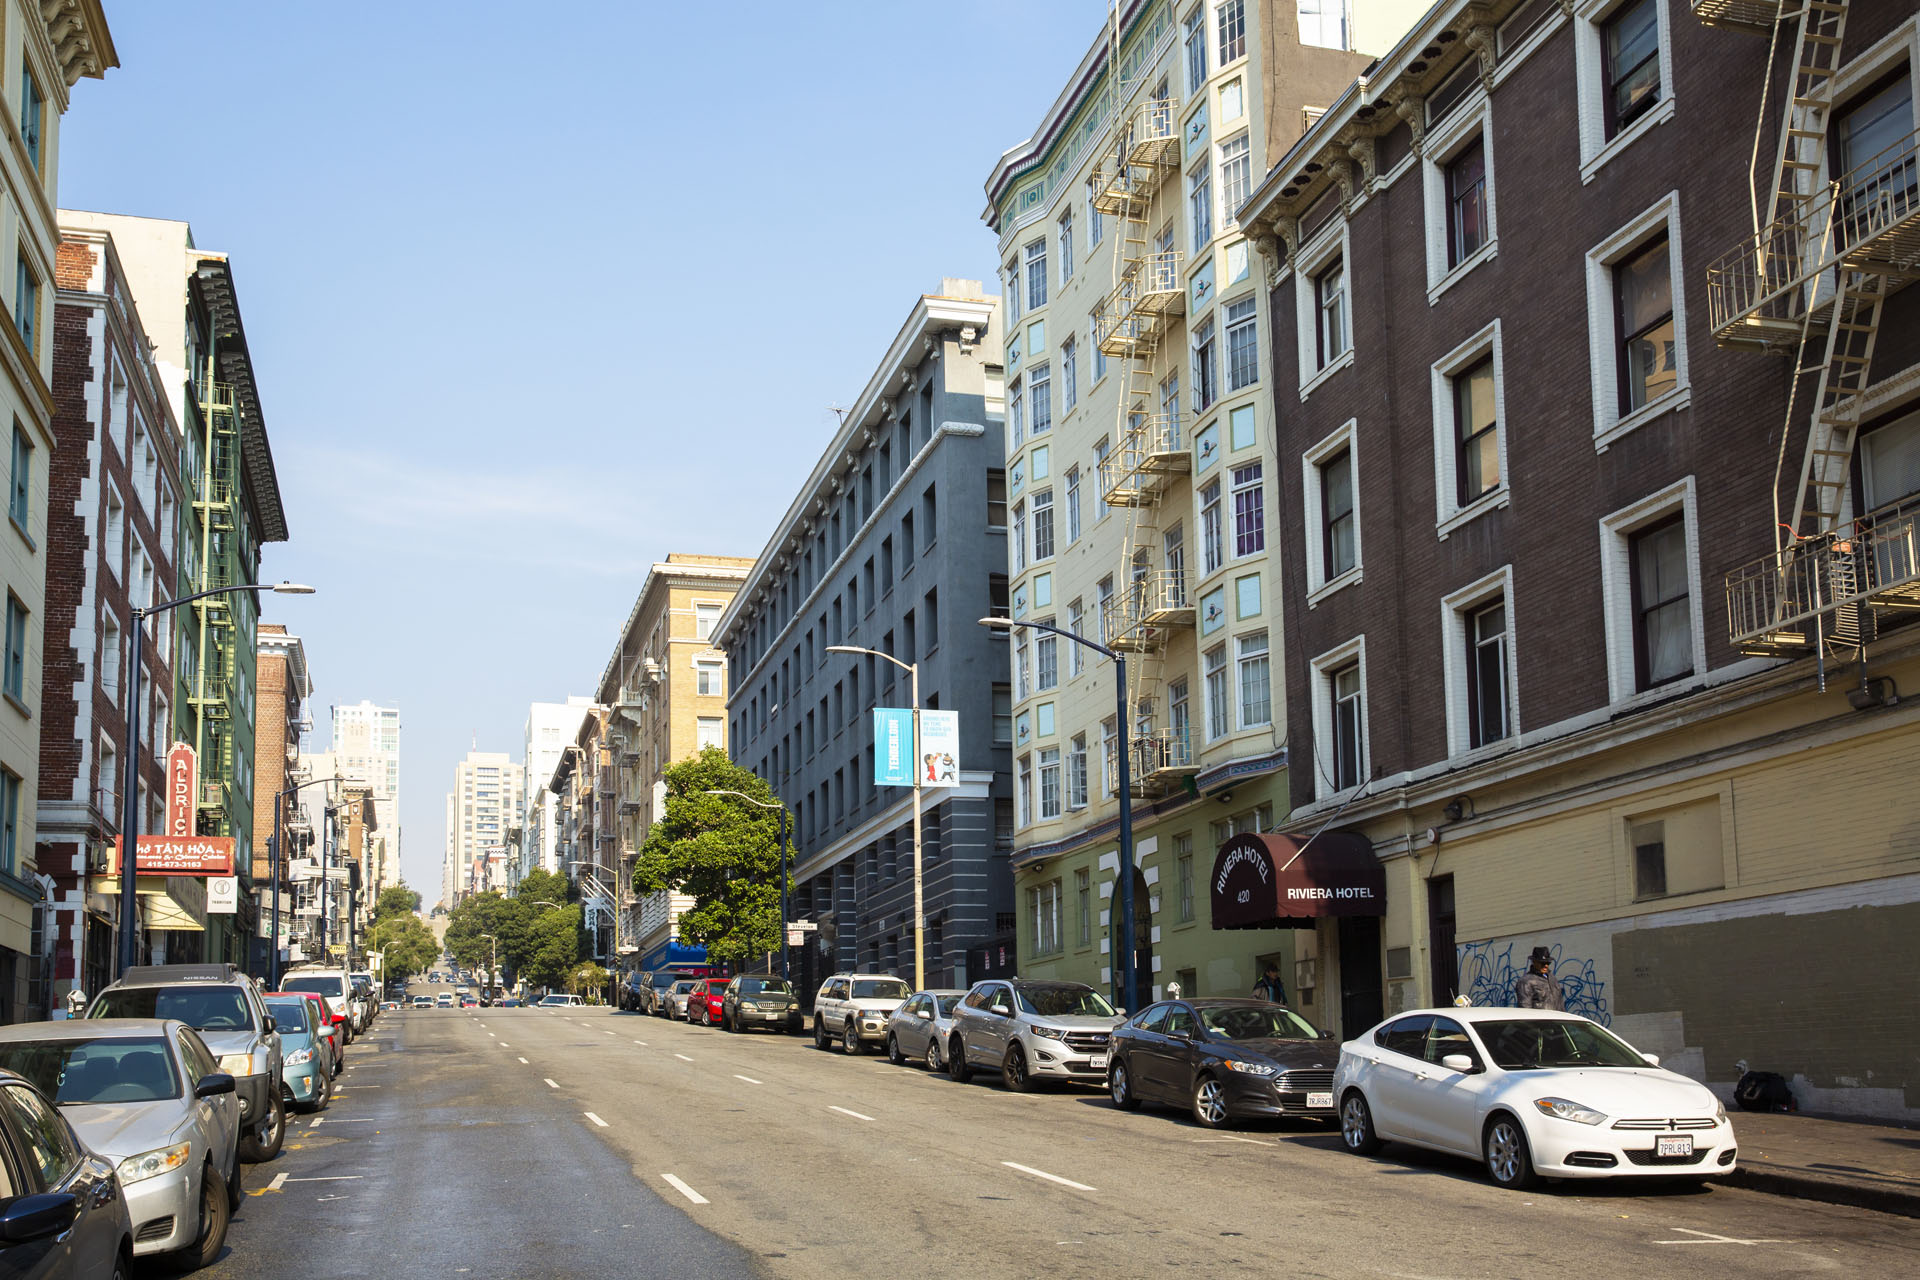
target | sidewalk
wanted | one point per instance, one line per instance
(1840, 1161)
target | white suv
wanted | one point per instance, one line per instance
(853, 1008)
(1032, 1031)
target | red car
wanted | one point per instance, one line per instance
(330, 1028)
(703, 1002)
(468, 1002)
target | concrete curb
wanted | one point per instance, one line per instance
(1802, 1186)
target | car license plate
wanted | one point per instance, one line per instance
(1320, 1101)
(1681, 1145)
(1098, 1062)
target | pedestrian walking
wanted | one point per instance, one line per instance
(1537, 988)
(1269, 986)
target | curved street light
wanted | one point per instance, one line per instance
(769, 804)
(130, 800)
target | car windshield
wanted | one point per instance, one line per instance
(879, 989)
(203, 1008)
(1535, 1044)
(947, 1003)
(289, 1019)
(1063, 1000)
(324, 984)
(765, 987)
(1256, 1022)
(74, 1072)
(681, 988)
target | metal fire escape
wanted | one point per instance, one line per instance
(1812, 283)
(1134, 324)
(216, 541)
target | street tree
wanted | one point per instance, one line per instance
(553, 946)
(406, 943)
(723, 852)
(540, 884)
(394, 900)
(488, 913)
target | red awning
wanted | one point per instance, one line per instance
(1288, 882)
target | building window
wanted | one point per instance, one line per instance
(1179, 722)
(1323, 23)
(20, 493)
(1040, 398)
(1638, 336)
(9, 822)
(1002, 715)
(1336, 515)
(1036, 274)
(1467, 225)
(1643, 312)
(1230, 24)
(1016, 414)
(711, 732)
(709, 679)
(1249, 511)
(1019, 530)
(1236, 175)
(26, 303)
(1043, 904)
(1100, 449)
(1212, 547)
(1183, 866)
(1200, 206)
(1046, 650)
(1216, 691)
(1076, 618)
(1649, 860)
(1049, 783)
(1066, 244)
(13, 680)
(1256, 696)
(1069, 375)
(996, 512)
(1022, 669)
(1662, 604)
(1349, 726)
(1023, 790)
(705, 617)
(1243, 344)
(1476, 430)
(1104, 605)
(1096, 228)
(1867, 131)
(1109, 768)
(1206, 366)
(1077, 772)
(1196, 38)
(1073, 505)
(1488, 667)
(33, 112)
(1630, 41)
(1083, 897)
(1330, 301)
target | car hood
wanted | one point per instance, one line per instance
(1619, 1092)
(224, 1042)
(1291, 1054)
(1074, 1022)
(876, 1004)
(117, 1130)
(775, 997)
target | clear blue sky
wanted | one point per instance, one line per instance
(533, 305)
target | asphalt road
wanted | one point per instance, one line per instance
(540, 1143)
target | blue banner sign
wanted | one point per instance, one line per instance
(892, 747)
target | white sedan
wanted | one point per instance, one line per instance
(1531, 1094)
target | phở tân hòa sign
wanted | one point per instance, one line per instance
(181, 856)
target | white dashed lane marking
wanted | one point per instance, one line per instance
(524, 1062)
(855, 1114)
(1050, 1177)
(683, 1057)
(685, 1190)
(552, 1085)
(596, 1119)
(748, 1079)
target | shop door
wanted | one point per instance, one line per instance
(1142, 943)
(1444, 963)
(1360, 987)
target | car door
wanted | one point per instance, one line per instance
(1140, 1051)
(1171, 1068)
(223, 1110)
(987, 1034)
(909, 1028)
(1444, 1104)
(58, 1163)
(1399, 1058)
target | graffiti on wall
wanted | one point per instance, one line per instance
(1488, 971)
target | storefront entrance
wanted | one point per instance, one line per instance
(1361, 990)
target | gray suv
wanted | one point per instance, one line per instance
(219, 1002)
(1032, 1031)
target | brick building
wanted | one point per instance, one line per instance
(114, 493)
(1547, 653)
(284, 684)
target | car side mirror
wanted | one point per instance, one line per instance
(1326, 1035)
(36, 1217)
(1458, 1062)
(269, 1027)
(213, 1084)
(1653, 1060)
(923, 1014)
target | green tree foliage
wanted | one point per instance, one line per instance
(406, 942)
(396, 900)
(540, 885)
(553, 946)
(586, 978)
(507, 919)
(723, 851)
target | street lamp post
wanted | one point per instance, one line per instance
(130, 798)
(919, 901)
(274, 839)
(493, 972)
(715, 791)
(1120, 932)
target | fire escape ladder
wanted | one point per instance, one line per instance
(1803, 136)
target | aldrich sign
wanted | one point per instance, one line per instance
(1287, 882)
(183, 781)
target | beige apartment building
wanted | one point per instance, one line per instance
(44, 50)
(1140, 462)
(665, 688)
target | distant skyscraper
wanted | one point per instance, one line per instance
(550, 727)
(366, 745)
(486, 802)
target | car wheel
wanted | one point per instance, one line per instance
(934, 1062)
(236, 1192)
(214, 1216)
(1014, 1073)
(265, 1140)
(819, 1034)
(1120, 1086)
(1210, 1102)
(1356, 1125)
(894, 1055)
(958, 1068)
(1509, 1160)
(850, 1040)
(122, 1263)
(323, 1093)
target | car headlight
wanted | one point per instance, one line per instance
(151, 1164)
(1562, 1109)
(1719, 1110)
(237, 1064)
(300, 1057)
(1249, 1068)
(1051, 1033)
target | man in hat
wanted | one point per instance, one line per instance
(1269, 986)
(1537, 988)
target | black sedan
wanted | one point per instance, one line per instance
(1225, 1059)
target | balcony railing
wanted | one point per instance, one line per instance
(1160, 755)
(1740, 15)
(1143, 615)
(1758, 294)
(1874, 561)
(1152, 136)
(1149, 290)
(1150, 453)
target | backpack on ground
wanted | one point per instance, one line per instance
(1764, 1091)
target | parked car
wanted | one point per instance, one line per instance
(222, 1004)
(758, 1000)
(1226, 1059)
(332, 1034)
(63, 1212)
(673, 1002)
(853, 1008)
(705, 1002)
(468, 1002)
(146, 1094)
(331, 984)
(369, 1004)
(1031, 1031)
(510, 1002)
(920, 1027)
(306, 1053)
(1529, 1093)
(559, 1001)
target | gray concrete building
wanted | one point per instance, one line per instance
(895, 542)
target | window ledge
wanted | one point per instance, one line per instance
(22, 531)
(18, 705)
(1455, 274)
(1681, 397)
(1661, 113)
(19, 888)
(1348, 579)
(1326, 371)
(1492, 500)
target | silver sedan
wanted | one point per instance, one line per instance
(920, 1027)
(673, 1001)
